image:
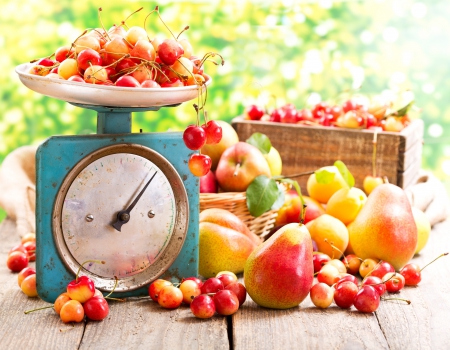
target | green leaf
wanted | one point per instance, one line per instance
(403, 111)
(345, 173)
(260, 141)
(324, 176)
(261, 195)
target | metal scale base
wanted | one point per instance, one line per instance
(59, 154)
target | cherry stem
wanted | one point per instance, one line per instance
(374, 154)
(185, 28)
(101, 22)
(400, 299)
(126, 19)
(41, 308)
(87, 261)
(440, 256)
(114, 288)
(336, 248)
(165, 25)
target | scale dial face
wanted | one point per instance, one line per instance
(108, 181)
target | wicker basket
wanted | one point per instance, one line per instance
(235, 202)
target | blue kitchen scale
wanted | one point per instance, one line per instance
(127, 199)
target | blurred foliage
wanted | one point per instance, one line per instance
(288, 49)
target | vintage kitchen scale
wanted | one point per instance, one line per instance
(126, 198)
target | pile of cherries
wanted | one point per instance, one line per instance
(18, 259)
(338, 282)
(80, 299)
(127, 57)
(222, 294)
(350, 114)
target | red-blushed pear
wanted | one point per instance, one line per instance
(385, 229)
(229, 138)
(279, 273)
(239, 165)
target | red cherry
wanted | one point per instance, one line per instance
(344, 294)
(226, 302)
(276, 114)
(169, 51)
(254, 112)
(96, 308)
(203, 306)
(213, 132)
(375, 282)
(17, 261)
(349, 105)
(367, 299)
(127, 81)
(394, 282)
(381, 269)
(290, 115)
(194, 137)
(81, 289)
(412, 274)
(174, 82)
(199, 164)
(212, 285)
(47, 62)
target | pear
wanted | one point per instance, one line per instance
(384, 228)
(279, 273)
(225, 242)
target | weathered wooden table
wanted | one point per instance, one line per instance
(142, 324)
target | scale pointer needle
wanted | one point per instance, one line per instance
(123, 216)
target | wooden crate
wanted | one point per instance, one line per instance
(307, 148)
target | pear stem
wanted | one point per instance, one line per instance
(440, 256)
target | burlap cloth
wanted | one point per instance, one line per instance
(18, 191)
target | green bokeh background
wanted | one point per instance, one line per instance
(297, 51)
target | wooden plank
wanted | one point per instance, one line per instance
(309, 148)
(143, 324)
(411, 156)
(38, 330)
(423, 324)
(409, 176)
(305, 327)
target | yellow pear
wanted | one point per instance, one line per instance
(423, 228)
(274, 160)
(326, 231)
(225, 242)
(346, 203)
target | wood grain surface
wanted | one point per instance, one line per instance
(141, 324)
(133, 324)
(308, 148)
